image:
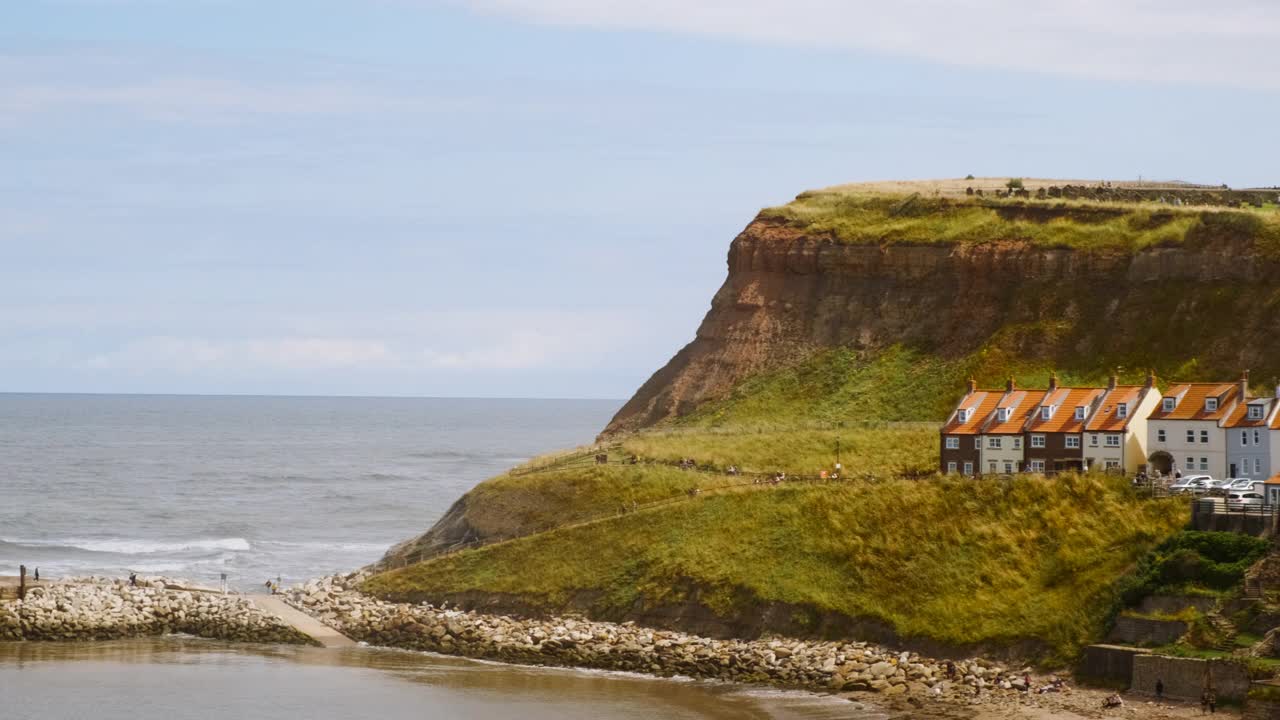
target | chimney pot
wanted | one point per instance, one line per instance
(1112, 382)
(971, 386)
(1244, 385)
(1053, 382)
(1010, 386)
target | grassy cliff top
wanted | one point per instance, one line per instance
(1124, 216)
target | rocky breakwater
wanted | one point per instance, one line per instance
(97, 609)
(575, 642)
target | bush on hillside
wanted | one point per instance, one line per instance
(1193, 561)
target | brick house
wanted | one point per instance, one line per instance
(1055, 430)
(961, 436)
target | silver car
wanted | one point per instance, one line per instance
(1241, 499)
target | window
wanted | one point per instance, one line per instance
(1191, 436)
(1037, 466)
(951, 468)
(1093, 441)
(1204, 436)
(1244, 437)
(993, 443)
(1169, 404)
(968, 468)
(977, 443)
(1003, 414)
(1017, 443)
(1255, 412)
(1191, 463)
(1113, 464)
(953, 443)
(1073, 441)
(1256, 438)
(991, 467)
(1113, 441)
(1037, 441)
(1122, 410)
(1080, 411)
(1008, 467)
(1210, 404)
(1046, 413)
(1160, 435)
(962, 415)
(1204, 463)
(1257, 466)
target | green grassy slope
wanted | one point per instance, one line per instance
(950, 559)
(857, 216)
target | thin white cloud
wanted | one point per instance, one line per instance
(1231, 42)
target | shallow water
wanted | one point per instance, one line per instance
(190, 679)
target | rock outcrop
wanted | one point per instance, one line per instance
(790, 293)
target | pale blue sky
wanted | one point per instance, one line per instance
(526, 197)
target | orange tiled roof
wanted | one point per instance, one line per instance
(1064, 418)
(983, 403)
(1021, 404)
(1107, 418)
(1274, 479)
(1191, 404)
(1240, 415)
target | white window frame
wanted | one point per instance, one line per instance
(1017, 443)
(1073, 441)
(1204, 436)
(1191, 436)
(977, 442)
(1210, 404)
(1257, 466)
(1113, 441)
(1036, 466)
(1169, 405)
(1093, 439)
(994, 443)
(1003, 414)
(1191, 463)
(1257, 439)
(1160, 435)
(953, 442)
(1037, 441)
(1046, 412)
(968, 468)
(1244, 438)
(951, 468)
(1204, 463)
(1008, 467)
(1080, 412)
(1122, 410)
(1255, 412)
(1113, 465)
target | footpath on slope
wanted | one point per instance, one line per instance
(302, 622)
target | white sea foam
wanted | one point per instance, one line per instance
(125, 546)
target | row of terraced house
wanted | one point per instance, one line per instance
(1216, 429)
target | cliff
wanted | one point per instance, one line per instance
(1198, 300)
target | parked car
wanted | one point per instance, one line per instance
(1239, 484)
(1241, 499)
(1192, 484)
(1220, 488)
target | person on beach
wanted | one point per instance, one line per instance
(133, 579)
(37, 574)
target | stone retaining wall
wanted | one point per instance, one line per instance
(1111, 664)
(95, 609)
(1186, 678)
(1174, 604)
(1146, 631)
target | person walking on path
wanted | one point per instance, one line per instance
(37, 574)
(1213, 702)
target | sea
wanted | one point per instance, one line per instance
(251, 489)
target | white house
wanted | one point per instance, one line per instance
(1184, 431)
(1115, 437)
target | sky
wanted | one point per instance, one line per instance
(527, 198)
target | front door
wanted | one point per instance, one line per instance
(1232, 473)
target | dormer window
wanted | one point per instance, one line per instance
(1255, 412)
(1003, 414)
(1210, 404)
(962, 415)
(1169, 404)
(1122, 411)
(1080, 411)
(1046, 412)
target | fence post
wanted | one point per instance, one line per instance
(22, 582)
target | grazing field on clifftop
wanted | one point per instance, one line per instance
(958, 561)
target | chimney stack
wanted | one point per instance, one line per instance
(1244, 386)
(971, 387)
(1053, 382)
(1010, 385)
(1112, 381)
(1151, 379)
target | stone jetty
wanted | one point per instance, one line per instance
(103, 609)
(575, 642)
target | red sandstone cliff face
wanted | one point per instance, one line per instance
(789, 294)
